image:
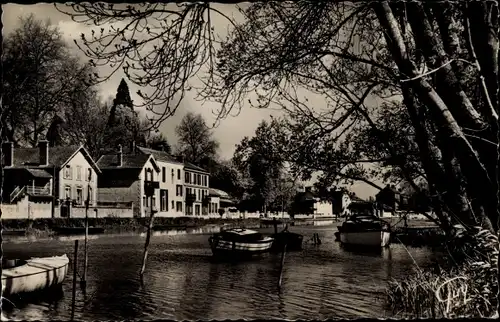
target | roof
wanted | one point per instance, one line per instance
(159, 155)
(39, 173)
(190, 166)
(218, 193)
(58, 156)
(130, 161)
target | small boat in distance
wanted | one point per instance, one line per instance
(365, 230)
(238, 242)
(35, 274)
(293, 241)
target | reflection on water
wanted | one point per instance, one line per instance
(183, 282)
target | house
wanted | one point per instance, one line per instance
(171, 186)
(58, 177)
(331, 203)
(126, 178)
(196, 183)
(387, 200)
(220, 201)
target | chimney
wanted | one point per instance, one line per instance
(43, 152)
(8, 153)
(119, 155)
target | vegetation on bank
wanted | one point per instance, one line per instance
(114, 223)
(465, 285)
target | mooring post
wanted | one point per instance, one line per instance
(83, 282)
(282, 265)
(148, 238)
(75, 268)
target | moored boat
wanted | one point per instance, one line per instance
(293, 241)
(239, 242)
(365, 230)
(35, 274)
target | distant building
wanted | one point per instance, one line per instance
(171, 195)
(196, 182)
(125, 178)
(334, 203)
(57, 177)
(220, 199)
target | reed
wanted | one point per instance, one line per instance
(466, 286)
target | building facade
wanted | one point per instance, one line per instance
(125, 178)
(196, 191)
(171, 186)
(64, 176)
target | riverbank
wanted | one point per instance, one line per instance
(48, 226)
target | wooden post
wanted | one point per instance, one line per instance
(75, 268)
(275, 224)
(83, 282)
(282, 265)
(148, 237)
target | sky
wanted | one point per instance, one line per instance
(229, 132)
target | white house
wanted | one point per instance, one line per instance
(62, 176)
(171, 194)
(196, 183)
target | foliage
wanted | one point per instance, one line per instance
(472, 280)
(226, 177)
(195, 140)
(40, 79)
(158, 142)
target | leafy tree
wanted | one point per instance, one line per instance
(39, 78)
(195, 140)
(259, 157)
(226, 177)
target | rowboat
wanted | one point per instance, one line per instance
(293, 241)
(365, 230)
(239, 242)
(35, 274)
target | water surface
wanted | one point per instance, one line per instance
(182, 281)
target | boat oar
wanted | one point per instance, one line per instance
(282, 265)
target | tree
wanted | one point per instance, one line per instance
(440, 105)
(259, 156)
(40, 77)
(226, 177)
(195, 140)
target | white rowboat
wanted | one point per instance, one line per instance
(32, 275)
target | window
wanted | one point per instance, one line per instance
(163, 174)
(179, 206)
(78, 173)
(67, 192)
(210, 208)
(178, 174)
(163, 200)
(153, 202)
(173, 205)
(67, 172)
(189, 210)
(172, 174)
(205, 181)
(197, 210)
(199, 196)
(198, 178)
(79, 196)
(193, 179)
(144, 201)
(89, 174)
(178, 190)
(216, 210)
(187, 177)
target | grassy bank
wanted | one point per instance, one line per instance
(464, 286)
(47, 225)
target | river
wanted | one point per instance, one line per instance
(182, 282)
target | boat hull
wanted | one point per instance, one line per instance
(293, 242)
(374, 238)
(36, 275)
(221, 247)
